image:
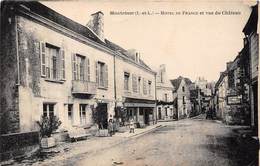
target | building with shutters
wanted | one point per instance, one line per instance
(251, 32)
(52, 65)
(164, 96)
(135, 88)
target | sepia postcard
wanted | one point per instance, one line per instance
(131, 83)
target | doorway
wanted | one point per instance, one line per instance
(159, 113)
(101, 115)
(146, 116)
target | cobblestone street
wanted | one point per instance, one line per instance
(187, 142)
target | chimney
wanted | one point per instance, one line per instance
(163, 73)
(229, 64)
(96, 24)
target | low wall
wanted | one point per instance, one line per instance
(17, 145)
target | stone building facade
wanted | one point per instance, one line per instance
(251, 31)
(164, 96)
(52, 65)
(181, 96)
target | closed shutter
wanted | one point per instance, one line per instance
(62, 65)
(134, 83)
(87, 70)
(97, 73)
(74, 70)
(106, 76)
(58, 65)
(43, 58)
(144, 86)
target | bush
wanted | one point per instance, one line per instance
(48, 125)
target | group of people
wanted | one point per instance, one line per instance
(113, 126)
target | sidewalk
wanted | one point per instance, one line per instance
(66, 150)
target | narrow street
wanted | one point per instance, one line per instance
(188, 142)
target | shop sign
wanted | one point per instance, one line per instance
(234, 100)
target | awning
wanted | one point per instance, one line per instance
(130, 102)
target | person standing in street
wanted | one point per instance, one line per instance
(110, 127)
(132, 126)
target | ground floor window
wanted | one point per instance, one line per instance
(82, 113)
(166, 111)
(70, 113)
(141, 112)
(48, 110)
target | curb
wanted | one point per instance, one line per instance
(146, 132)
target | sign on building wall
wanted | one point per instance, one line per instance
(233, 100)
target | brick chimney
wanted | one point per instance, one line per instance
(96, 24)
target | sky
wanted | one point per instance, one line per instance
(189, 45)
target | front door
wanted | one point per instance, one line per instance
(146, 116)
(101, 113)
(159, 113)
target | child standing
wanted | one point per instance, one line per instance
(132, 126)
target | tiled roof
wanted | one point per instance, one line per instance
(176, 82)
(124, 52)
(52, 15)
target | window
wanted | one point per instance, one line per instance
(82, 113)
(141, 112)
(183, 99)
(144, 87)
(183, 89)
(102, 75)
(166, 111)
(149, 87)
(52, 62)
(165, 97)
(81, 67)
(70, 113)
(139, 84)
(126, 81)
(134, 83)
(48, 110)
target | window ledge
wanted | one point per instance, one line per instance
(55, 81)
(103, 88)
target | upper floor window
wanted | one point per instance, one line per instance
(139, 84)
(149, 87)
(183, 89)
(81, 68)
(165, 97)
(183, 99)
(102, 74)
(52, 62)
(126, 81)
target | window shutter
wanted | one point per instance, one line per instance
(63, 77)
(43, 58)
(97, 73)
(134, 83)
(74, 70)
(87, 69)
(106, 76)
(58, 67)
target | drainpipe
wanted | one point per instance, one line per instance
(155, 95)
(115, 96)
(17, 52)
